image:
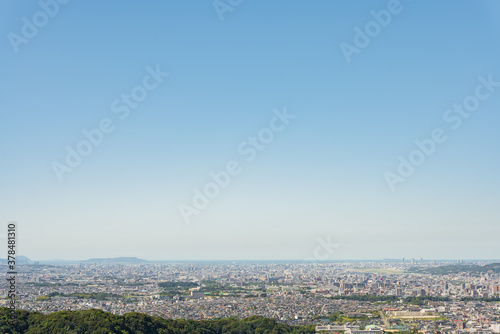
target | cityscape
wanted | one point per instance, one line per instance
(361, 296)
(250, 167)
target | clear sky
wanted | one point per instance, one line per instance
(358, 94)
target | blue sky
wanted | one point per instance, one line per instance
(322, 175)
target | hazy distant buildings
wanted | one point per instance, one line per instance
(197, 294)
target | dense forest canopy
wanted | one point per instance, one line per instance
(100, 322)
(457, 269)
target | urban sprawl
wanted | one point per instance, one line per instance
(348, 297)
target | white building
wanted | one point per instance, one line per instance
(495, 328)
(350, 329)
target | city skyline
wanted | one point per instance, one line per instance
(188, 130)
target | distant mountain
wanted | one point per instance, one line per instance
(456, 269)
(127, 260)
(19, 260)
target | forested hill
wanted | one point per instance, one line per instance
(100, 322)
(455, 269)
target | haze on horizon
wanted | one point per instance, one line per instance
(208, 90)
